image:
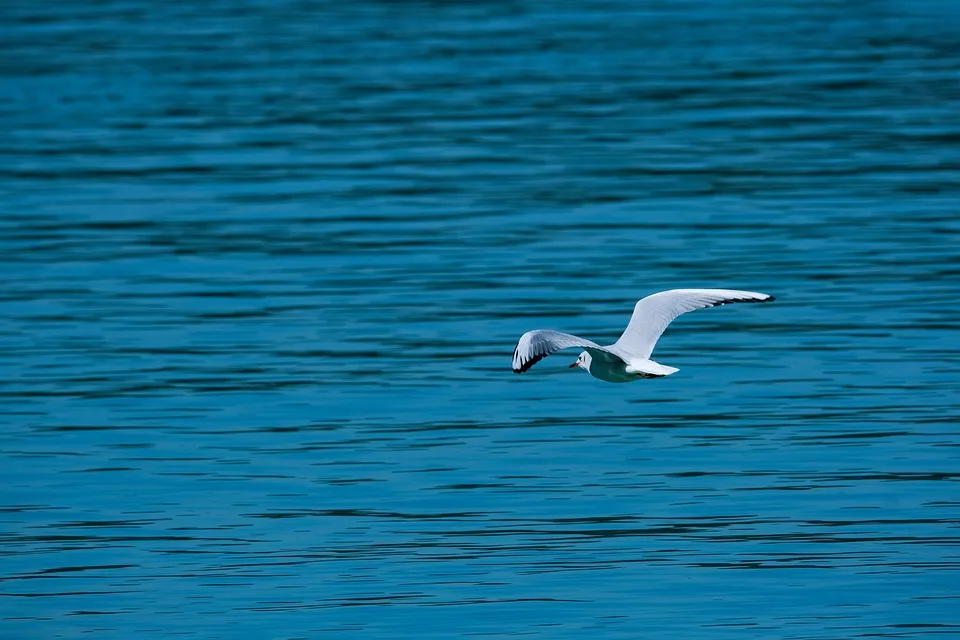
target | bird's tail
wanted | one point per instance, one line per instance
(651, 369)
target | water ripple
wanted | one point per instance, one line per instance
(264, 267)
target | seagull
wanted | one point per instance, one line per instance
(628, 358)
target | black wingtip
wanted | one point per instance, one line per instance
(720, 303)
(525, 366)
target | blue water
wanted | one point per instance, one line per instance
(264, 266)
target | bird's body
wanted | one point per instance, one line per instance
(628, 359)
(613, 368)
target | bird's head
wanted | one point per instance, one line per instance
(582, 361)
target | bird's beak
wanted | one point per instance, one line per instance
(574, 364)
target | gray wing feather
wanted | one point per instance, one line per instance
(653, 313)
(534, 346)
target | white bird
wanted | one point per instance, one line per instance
(628, 358)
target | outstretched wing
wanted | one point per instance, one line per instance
(534, 346)
(652, 315)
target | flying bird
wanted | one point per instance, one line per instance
(628, 358)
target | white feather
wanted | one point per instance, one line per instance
(652, 314)
(629, 357)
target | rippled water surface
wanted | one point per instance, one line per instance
(265, 264)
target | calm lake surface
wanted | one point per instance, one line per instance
(264, 265)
